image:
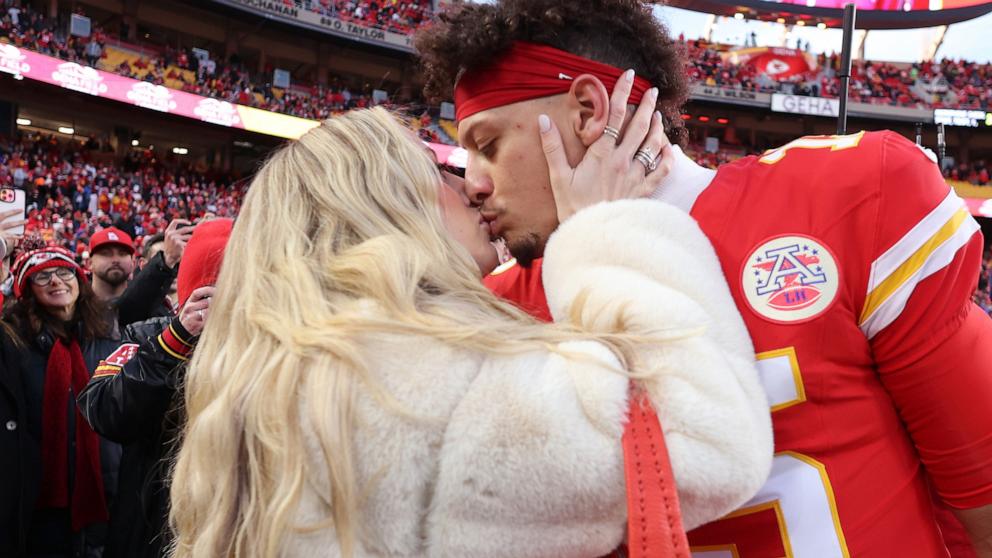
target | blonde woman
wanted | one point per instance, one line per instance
(358, 392)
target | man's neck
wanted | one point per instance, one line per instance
(684, 183)
(105, 291)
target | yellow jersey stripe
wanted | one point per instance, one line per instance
(909, 270)
(887, 264)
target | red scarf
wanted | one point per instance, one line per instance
(66, 369)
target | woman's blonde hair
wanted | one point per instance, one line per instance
(348, 212)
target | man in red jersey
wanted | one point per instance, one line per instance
(850, 259)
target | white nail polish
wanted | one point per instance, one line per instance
(544, 123)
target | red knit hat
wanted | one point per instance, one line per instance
(29, 263)
(203, 257)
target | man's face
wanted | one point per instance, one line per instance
(507, 174)
(112, 264)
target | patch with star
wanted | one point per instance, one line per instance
(790, 279)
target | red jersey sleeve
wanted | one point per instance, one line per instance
(932, 345)
(522, 286)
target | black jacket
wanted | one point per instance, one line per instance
(20, 455)
(132, 399)
(22, 528)
(145, 296)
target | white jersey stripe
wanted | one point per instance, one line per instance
(894, 257)
(893, 306)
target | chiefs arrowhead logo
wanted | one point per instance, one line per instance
(776, 66)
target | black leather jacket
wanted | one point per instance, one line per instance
(133, 399)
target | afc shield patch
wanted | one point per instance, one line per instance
(790, 279)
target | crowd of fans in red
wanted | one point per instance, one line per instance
(74, 190)
(398, 16)
(947, 83)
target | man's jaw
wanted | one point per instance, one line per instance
(526, 248)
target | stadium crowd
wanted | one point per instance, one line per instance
(74, 190)
(392, 15)
(977, 172)
(932, 84)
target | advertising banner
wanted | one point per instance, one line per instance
(26, 64)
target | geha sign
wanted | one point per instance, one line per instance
(797, 104)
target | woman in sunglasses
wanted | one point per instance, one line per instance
(62, 474)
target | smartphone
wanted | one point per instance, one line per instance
(12, 198)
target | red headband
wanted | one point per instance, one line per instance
(529, 71)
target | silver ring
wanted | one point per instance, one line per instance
(612, 132)
(200, 313)
(645, 159)
(647, 151)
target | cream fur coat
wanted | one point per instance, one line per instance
(527, 459)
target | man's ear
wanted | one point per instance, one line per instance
(589, 108)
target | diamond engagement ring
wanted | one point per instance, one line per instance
(647, 158)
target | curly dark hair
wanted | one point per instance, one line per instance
(622, 33)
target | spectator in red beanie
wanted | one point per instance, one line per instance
(61, 476)
(132, 398)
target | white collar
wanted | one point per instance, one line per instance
(684, 183)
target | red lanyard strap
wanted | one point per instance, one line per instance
(654, 520)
